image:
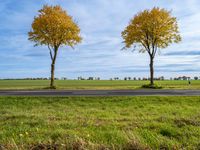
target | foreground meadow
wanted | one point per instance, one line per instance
(100, 123)
(92, 85)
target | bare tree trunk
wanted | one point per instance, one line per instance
(52, 84)
(52, 75)
(151, 71)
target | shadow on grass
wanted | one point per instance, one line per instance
(150, 86)
(50, 88)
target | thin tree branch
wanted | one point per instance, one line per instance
(50, 52)
(155, 51)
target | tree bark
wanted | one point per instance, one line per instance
(151, 71)
(52, 84)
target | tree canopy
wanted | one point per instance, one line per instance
(151, 30)
(54, 27)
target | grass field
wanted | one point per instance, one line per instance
(75, 84)
(100, 122)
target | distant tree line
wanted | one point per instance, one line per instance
(185, 78)
(138, 79)
(114, 78)
(89, 78)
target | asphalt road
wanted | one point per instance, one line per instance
(142, 92)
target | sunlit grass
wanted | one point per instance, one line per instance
(100, 122)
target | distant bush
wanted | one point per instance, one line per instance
(149, 86)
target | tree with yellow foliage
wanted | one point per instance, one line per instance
(54, 27)
(151, 30)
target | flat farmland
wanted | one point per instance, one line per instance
(94, 85)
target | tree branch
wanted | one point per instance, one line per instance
(50, 52)
(155, 50)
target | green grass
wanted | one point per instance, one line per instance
(100, 122)
(74, 84)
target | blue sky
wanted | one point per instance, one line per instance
(101, 23)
